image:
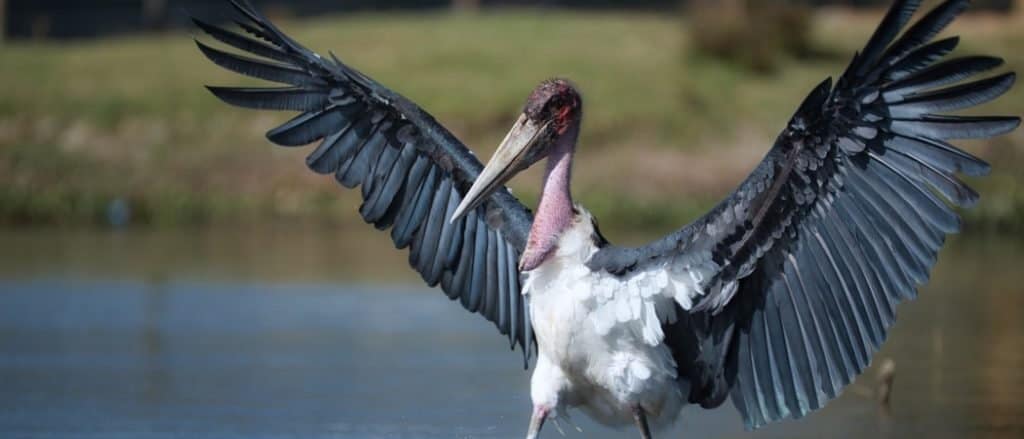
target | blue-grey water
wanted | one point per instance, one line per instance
(269, 333)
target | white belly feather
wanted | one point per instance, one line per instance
(599, 336)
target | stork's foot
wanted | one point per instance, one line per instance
(641, 421)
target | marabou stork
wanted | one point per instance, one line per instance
(777, 297)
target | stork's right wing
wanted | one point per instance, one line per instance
(801, 269)
(413, 172)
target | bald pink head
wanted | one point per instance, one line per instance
(556, 100)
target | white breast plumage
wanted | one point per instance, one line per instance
(604, 332)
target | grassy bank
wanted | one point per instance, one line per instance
(666, 132)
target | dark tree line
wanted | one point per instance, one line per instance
(84, 19)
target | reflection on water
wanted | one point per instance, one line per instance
(272, 333)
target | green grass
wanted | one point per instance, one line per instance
(666, 132)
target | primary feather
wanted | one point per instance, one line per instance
(839, 223)
(412, 171)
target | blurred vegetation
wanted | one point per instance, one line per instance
(667, 131)
(754, 34)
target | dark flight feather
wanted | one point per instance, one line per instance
(840, 222)
(411, 170)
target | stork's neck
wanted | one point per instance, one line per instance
(555, 205)
(555, 211)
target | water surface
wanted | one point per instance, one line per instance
(285, 333)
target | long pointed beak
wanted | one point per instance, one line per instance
(536, 422)
(503, 165)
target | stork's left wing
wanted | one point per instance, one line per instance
(802, 267)
(413, 172)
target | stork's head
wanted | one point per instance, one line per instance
(550, 117)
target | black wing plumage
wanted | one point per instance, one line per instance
(841, 222)
(411, 170)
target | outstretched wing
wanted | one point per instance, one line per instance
(412, 171)
(839, 223)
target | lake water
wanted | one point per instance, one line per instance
(293, 333)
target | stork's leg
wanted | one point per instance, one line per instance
(540, 413)
(641, 421)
